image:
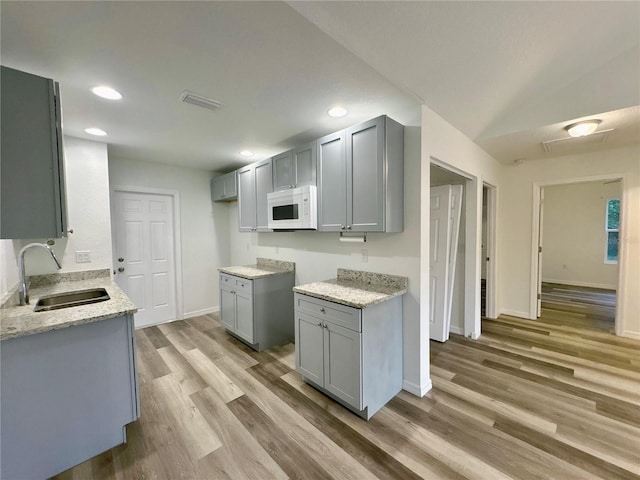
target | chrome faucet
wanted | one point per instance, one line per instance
(24, 289)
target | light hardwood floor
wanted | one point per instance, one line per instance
(527, 400)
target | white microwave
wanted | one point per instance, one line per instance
(294, 209)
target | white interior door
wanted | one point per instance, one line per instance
(439, 258)
(454, 230)
(144, 254)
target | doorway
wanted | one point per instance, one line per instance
(144, 243)
(576, 253)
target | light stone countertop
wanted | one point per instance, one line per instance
(357, 289)
(264, 267)
(18, 321)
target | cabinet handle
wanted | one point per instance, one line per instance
(348, 227)
(322, 309)
(341, 227)
(325, 326)
(319, 324)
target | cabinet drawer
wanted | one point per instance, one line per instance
(343, 315)
(238, 284)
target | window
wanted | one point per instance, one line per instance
(612, 227)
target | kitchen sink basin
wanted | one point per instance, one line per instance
(71, 299)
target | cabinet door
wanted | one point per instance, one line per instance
(244, 316)
(33, 203)
(309, 351)
(263, 185)
(365, 191)
(230, 185)
(343, 364)
(284, 171)
(332, 183)
(217, 189)
(304, 161)
(228, 308)
(246, 199)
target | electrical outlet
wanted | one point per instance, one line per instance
(83, 256)
(365, 255)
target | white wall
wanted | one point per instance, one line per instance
(444, 144)
(516, 219)
(318, 255)
(87, 183)
(574, 237)
(204, 225)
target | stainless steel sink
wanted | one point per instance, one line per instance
(71, 299)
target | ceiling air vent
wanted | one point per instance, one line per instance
(199, 100)
(561, 144)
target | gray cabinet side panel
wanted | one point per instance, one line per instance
(365, 154)
(66, 396)
(264, 185)
(273, 310)
(28, 158)
(381, 353)
(230, 185)
(217, 189)
(394, 157)
(246, 199)
(332, 182)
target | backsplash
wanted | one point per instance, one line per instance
(383, 279)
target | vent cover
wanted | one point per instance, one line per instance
(199, 100)
(568, 142)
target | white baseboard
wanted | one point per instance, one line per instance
(577, 283)
(416, 389)
(629, 334)
(199, 313)
(456, 330)
(516, 313)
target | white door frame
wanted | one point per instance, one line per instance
(491, 251)
(175, 200)
(535, 232)
(473, 250)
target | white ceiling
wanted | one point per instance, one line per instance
(507, 74)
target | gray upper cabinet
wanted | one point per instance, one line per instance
(32, 171)
(360, 178)
(332, 183)
(224, 188)
(295, 168)
(255, 181)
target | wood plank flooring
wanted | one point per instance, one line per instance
(586, 307)
(528, 400)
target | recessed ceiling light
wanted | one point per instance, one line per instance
(337, 112)
(95, 131)
(106, 92)
(582, 129)
(246, 153)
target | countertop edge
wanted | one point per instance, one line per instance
(388, 296)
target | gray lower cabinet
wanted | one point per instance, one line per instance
(360, 178)
(32, 188)
(260, 311)
(224, 188)
(254, 182)
(66, 396)
(353, 355)
(295, 168)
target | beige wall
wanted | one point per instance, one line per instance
(574, 237)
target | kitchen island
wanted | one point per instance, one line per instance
(68, 376)
(348, 335)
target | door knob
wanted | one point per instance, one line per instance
(121, 259)
(121, 269)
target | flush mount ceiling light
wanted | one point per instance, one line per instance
(581, 129)
(337, 112)
(246, 153)
(95, 131)
(106, 92)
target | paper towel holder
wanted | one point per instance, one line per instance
(353, 238)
